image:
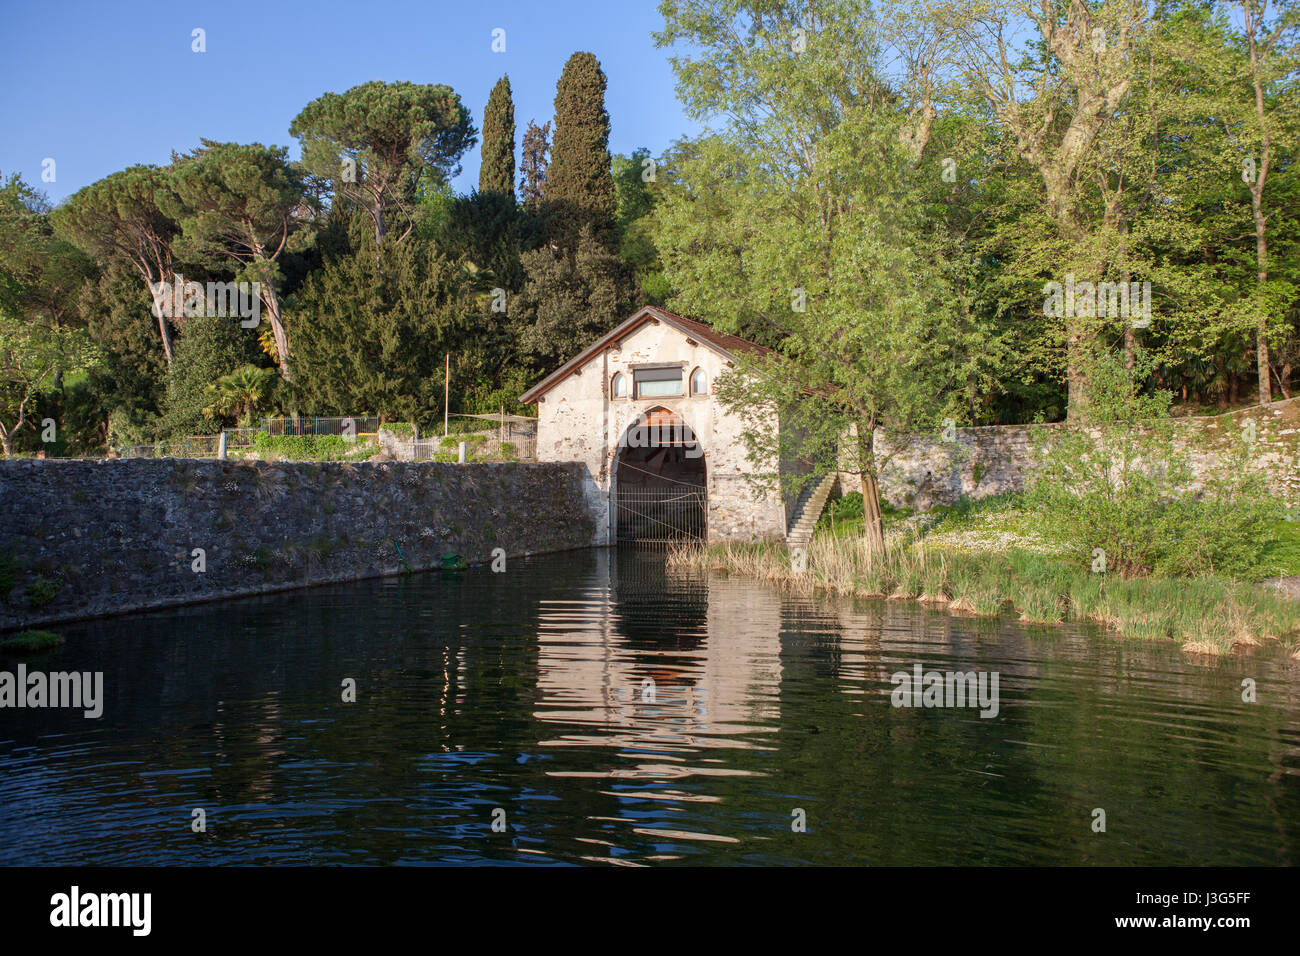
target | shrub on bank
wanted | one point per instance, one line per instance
(311, 447)
(1208, 615)
(1117, 490)
(28, 641)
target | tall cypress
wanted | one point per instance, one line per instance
(579, 186)
(535, 150)
(497, 172)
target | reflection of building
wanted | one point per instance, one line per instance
(656, 693)
(665, 458)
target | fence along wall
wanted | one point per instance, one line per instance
(120, 535)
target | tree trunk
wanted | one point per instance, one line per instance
(1261, 318)
(1253, 27)
(1076, 380)
(161, 306)
(272, 303)
(873, 522)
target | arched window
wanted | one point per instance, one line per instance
(619, 386)
(699, 382)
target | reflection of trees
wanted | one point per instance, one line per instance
(524, 691)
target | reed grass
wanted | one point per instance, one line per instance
(1207, 615)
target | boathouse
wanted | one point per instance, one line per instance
(665, 459)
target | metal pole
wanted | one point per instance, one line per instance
(446, 396)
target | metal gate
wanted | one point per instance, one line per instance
(660, 517)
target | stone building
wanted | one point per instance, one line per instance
(664, 458)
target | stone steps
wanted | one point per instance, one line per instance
(809, 509)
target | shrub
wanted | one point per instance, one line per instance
(1116, 482)
(304, 447)
(41, 591)
(31, 641)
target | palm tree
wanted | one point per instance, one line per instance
(241, 392)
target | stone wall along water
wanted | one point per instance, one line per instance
(86, 538)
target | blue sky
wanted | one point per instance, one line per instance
(99, 86)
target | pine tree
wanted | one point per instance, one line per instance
(533, 163)
(579, 186)
(497, 172)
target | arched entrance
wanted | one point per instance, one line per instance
(660, 492)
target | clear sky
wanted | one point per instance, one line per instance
(98, 86)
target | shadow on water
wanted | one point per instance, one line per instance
(621, 713)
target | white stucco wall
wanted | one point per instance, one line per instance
(578, 420)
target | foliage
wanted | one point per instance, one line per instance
(1116, 487)
(242, 393)
(40, 591)
(800, 214)
(635, 195)
(1210, 615)
(210, 348)
(237, 206)
(579, 188)
(308, 447)
(119, 219)
(569, 298)
(31, 641)
(373, 144)
(535, 152)
(374, 329)
(497, 171)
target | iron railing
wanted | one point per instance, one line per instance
(310, 425)
(193, 446)
(488, 449)
(660, 516)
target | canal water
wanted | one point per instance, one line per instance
(594, 708)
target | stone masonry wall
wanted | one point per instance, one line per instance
(992, 459)
(119, 535)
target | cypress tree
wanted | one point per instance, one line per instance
(579, 186)
(497, 172)
(533, 163)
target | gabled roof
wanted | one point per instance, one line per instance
(729, 346)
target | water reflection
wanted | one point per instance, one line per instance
(624, 715)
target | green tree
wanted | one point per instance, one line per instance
(120, 218)
(534, 162)
(800, 211)
(241, 393)
(1268, 124)
(208, 348)
(1054, 76)
(579, 187)
(569, 298)
(374, 143)
(635, 185)
(238, 207)
(41, 275)
(31, 353)
(497, 172)
(375, 327)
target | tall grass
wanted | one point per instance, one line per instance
(1206, 615)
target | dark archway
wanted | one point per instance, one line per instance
(660, 487)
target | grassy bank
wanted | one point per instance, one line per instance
(1204, 615)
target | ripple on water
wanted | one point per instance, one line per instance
(602, 711)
